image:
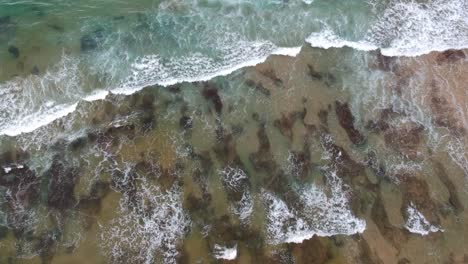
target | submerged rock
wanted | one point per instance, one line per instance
(262, 160)
(186, 122)
(346, 167)
(271, 74)
(405, 139)
(258, 86)
(444, 111)
(35, 70)
(22, 184)
(91, 41)
(346, 120)
(7, 28)
(323, 116)
(416, 192)
(56, 27)
(328, 78)
(88, 43)
(375, 164)
(210, 93)
(311, 251)
(286, 122)
(300, 164)
(451, 56)
(61, 185)
(14, 51)
(315, 75)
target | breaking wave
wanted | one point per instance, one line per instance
(401, 29)
(22, 110)
(322, 214)
(407, 29)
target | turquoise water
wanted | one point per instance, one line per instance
(122, 47)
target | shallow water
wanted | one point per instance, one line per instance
(233, 131)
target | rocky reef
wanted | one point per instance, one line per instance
(275, 163)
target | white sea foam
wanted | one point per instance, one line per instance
(233, 177)
(244, 207)
(236, 180)
(7, 169)
(402, 29)
(408, 28)
(38, 119)
(149, 70)
(34, 101)
(152, 70)
(322, 215)
(150, 224)
(326, 39)
(417, 223)
(227, 253)
(291, 52)
(96, 95)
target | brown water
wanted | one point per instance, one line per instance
(287, 162)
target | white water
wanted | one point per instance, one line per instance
(403, 29)
(227, 253)
(36, 120)
(408, 29)
(157, 222)
(322, 215)
(417, 223)
(236, 179)
(145, 72)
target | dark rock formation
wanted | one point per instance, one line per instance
(210, 93)
(382, 124)
(91, 41)
(405, 139)
(61, 186)
(323, 116)
(300, 163)
(416, 191)
(14, 51)
(444, 113)
(345, 166)
(35, 70)
(451, 56)
(311, 251)
(262, 160)
(259, 87)
(55, 27)
(346, 120)
(23, 185)
(286, 122)
(271, 74)
(454, 200)
(186, 122)
(88, 43)
(375, 165)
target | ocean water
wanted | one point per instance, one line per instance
(206, 131)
